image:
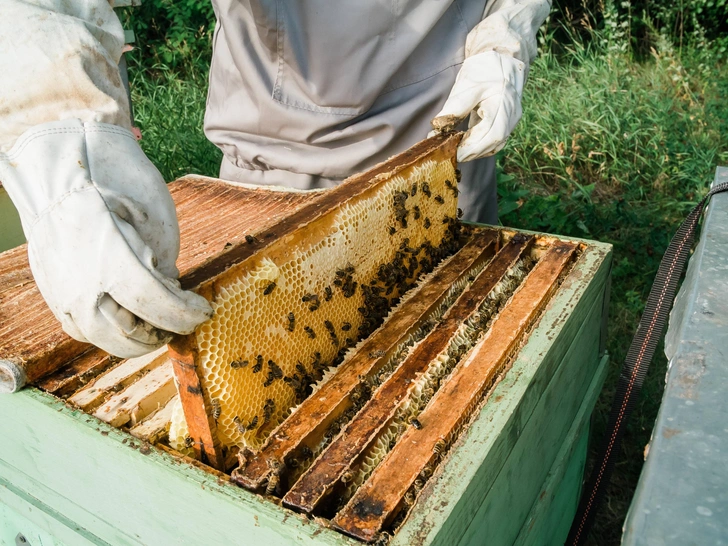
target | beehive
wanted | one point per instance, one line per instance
(463, 413)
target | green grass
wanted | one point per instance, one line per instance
(608, 148)
(617, 151)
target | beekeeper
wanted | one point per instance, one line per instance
(301, 94)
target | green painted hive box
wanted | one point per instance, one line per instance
(513, 476)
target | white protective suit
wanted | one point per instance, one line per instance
(302, 95)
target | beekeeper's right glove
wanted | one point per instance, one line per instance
(102, 235)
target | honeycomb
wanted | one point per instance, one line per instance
(290, 313)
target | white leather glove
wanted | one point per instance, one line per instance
(489, 85)
(102, 235)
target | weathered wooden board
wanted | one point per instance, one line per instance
(123, 375)
(156, 426)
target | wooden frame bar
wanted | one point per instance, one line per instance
(380, 498)
(200, 423)
(363, 430)
(316, 413)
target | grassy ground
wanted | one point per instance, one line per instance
(608, 148)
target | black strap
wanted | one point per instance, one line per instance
(649, 332)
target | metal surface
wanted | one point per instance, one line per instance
(682, 496)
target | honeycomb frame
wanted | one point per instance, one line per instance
(217, 421)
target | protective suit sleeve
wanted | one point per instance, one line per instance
(59, 60)
(489, 86)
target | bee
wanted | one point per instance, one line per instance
(439, 448)
(306, 298)
(315, 303)
(316, 360)
(258, 364)
(416, 423)
(409, 498)
(253, 423)
(328, 293)
(349, 288)
(347, 477)
(329, 326)
(340, 273)
(439, 199)
(427, 223)
(426, 189)
(426, 472)
(458, 175)
(377, 354)
(237, 364)
(306, 452)
(346, 326)
(452, 188)
(268, 409)
(275, 477)
(348, 342)
(250, 239)
(216, 408)
(349, 269)
(392, 230)
(460, 212)
(363, 310)
(446, 219)
(416, 211)
(275, 369)
(310, 332)
(419, 484)
(268, 289)
(338, 281)
(413, 189)
(291, 322)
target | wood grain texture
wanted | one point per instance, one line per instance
(363, 430)
(380, 497)
(316, 413)
(200, 424)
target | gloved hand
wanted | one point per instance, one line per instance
(488, 88)
(102, 235)
(489, 85)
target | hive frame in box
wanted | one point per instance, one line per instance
(491, 479)
(303, 228)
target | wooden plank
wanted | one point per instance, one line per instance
(378, 500)
(550, 517)
(123, 375)
(363, 430)
(77, 373)
(522, 475)
(316, 413)
(140, 398)
(190, 505)
(441, 516)
(200, 424)
(156, 426)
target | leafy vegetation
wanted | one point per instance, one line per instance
(624, 123)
